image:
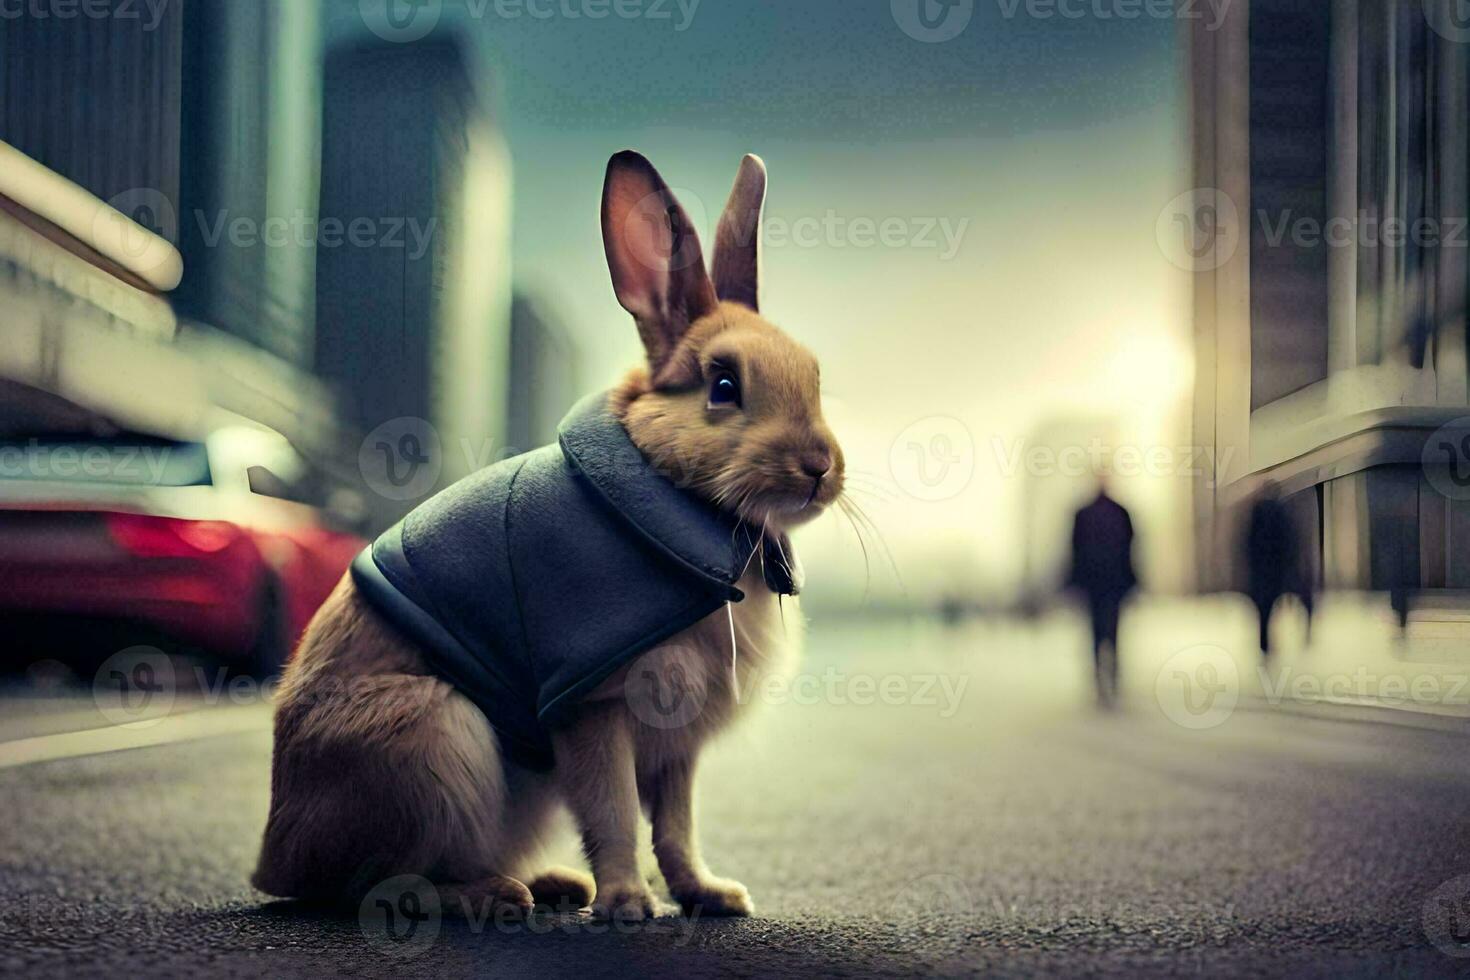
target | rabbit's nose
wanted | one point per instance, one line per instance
(816, 463)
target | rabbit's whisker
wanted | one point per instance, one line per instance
(844, 507)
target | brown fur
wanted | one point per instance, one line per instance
(382, 769)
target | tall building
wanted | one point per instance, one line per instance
(173, 113)
(342, 210)
(251, 127)
(413, 298)
(1327, 235)
(97, 99)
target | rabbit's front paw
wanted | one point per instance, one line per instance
(632, 902)
(714, 896)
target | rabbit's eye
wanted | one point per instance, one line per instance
(724, 389)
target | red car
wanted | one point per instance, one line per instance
(116, 541)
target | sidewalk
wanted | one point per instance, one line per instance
(1198, 658)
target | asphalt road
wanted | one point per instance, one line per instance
(928, 800)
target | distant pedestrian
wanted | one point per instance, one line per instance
(1102, 570)
(1398, 568)
(1274, 565)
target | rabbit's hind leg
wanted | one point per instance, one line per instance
(396, 774)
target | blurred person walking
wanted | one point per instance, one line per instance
(1274, 561)
(1102, 570)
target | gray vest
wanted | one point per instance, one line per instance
(528, 583)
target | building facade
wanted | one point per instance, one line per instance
(1327, 236)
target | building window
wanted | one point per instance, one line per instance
(1289, 99)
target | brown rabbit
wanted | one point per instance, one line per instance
(389, 758)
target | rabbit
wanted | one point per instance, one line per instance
(383, 767)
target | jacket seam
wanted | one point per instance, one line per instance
(523, 643)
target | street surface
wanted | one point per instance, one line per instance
(921, 799)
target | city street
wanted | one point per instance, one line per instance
(920, 799)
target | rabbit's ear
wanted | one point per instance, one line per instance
(737, 244)
(654, 255)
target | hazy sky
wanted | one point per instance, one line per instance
(1018, 169)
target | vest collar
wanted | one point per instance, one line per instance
(709, 542)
